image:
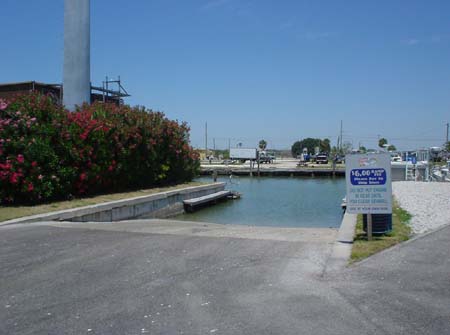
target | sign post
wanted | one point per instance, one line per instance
(369, 227)
(369, 188)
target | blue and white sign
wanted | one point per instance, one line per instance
(369, 188)
(360, 177)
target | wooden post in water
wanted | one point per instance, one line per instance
(334, 166)
(259, 174)
(369, 227)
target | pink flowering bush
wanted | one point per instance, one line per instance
(49, 153)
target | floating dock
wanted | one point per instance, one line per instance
(191, 204)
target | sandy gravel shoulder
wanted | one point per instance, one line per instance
(428, 203)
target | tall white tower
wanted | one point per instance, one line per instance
(77, 53)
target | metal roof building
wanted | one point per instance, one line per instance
(102, 94)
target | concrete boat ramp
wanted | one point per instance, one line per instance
(168, 277)
(203, 229)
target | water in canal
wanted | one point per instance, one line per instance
(277, 201)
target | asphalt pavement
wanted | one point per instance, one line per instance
(136, 278)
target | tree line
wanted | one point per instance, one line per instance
(324, 146)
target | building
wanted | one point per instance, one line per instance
(102, 94)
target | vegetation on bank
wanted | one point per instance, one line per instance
(14, 212)
(310, 144)
(48, 153)
(401, 231)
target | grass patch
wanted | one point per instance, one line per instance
(13, 212)
(401, 231)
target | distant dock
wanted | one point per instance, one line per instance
(273, 171)
(289, 168)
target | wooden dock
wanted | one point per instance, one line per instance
(191, 204)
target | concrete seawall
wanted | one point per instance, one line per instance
(158, 205)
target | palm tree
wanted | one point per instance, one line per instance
(382, 142)
(262, 145)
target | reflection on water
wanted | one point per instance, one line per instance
(277, 201)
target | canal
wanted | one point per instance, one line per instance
(277, 201)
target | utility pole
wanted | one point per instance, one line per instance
(206, 138)
(340, 142)
(77, 53)
(446, 138)
(214, 144)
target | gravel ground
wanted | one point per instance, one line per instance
(428, 203)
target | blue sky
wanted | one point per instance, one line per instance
(279, 70)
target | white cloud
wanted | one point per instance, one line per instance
(215, 3)
(286, 25)
(411, 41)
(436, 39)
(319, 35)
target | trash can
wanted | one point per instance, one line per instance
(381, 223)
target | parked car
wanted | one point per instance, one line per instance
(322, 159)
(265, 157)
(339, 159)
